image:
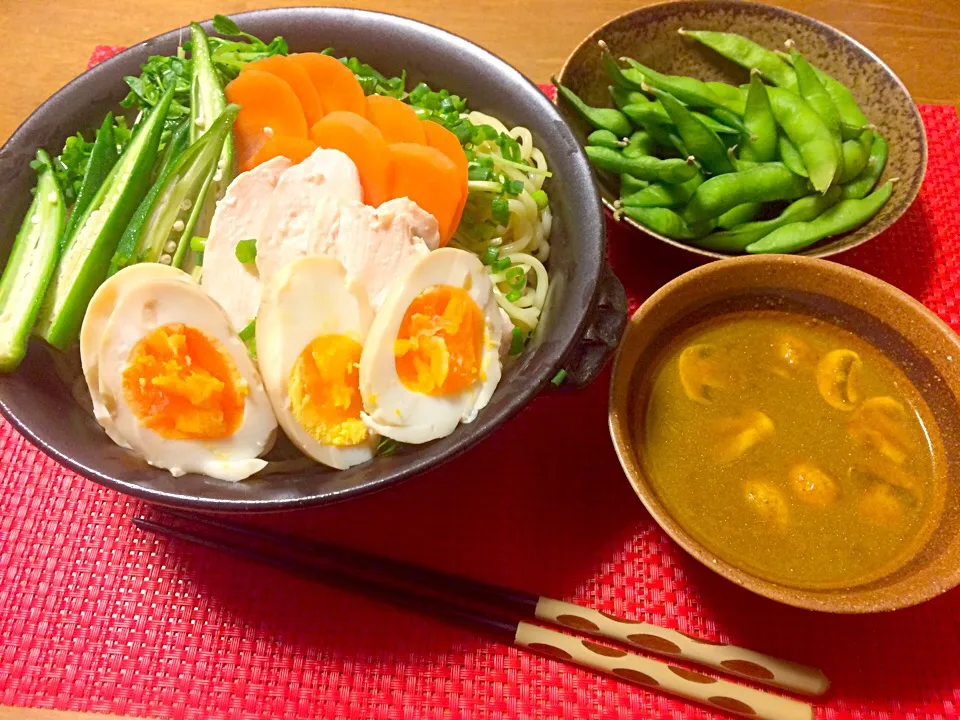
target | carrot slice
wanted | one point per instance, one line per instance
(430, 179)
(447, 143)
(396, 120)
(295, 149)
(266, 102)
(298, 80)
(363, 143)
(334, 82)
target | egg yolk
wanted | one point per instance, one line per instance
(439, 346)
(324, 391)
(182, 384)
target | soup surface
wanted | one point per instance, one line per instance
(791, 448)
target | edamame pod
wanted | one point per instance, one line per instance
(730, 94)
(700, 141)
(864, 182)
(809, 134)
(605, 138)
(760, 142)
(663, 195)
(855, 156)
(672, 170)
(790, 156)
(623, 97)
(630, 185)
(843, 217)
(646, 112)
(32, 262)
(600, 118)
(687, 90)
(764, 183)
(640, 143)
(811, 90)
(850, 113)
(802, 210)
(667, 222)
(748, 54)
(739, 215)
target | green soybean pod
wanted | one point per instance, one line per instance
(663, 195)
(790, 156)
(672, 170)
(728, 117)
(812, 90)
(748, 54)
(855, 156)
(665, 221)
(802, 210)
(644, 113)
(630, 185)
(732, 96)
(850, 113)
(864, 182)
(687, 90)
(702, 142)
(739, 215)
(623, 97)
(601, 118)
(764, 183)
(843, 217)
(605, 138)
(760, 141)
(808, 133)
(640, 143)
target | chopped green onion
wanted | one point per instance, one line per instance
(517, 342)
(502, 264)
(541, 199)
(559, 378)
(514, 295)
(387, 446)
(490, 256)
(198, 244)
(513, 187)
(249, 337)
(246, 251)
(479, 173)
(516, 278)
(500, 209)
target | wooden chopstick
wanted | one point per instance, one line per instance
(646, 672)
(520, 605)
(643, 671)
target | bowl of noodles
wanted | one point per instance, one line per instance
(522, 234)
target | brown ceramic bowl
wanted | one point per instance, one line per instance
(650, 36)
(921, 344)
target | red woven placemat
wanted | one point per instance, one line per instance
(96, 616)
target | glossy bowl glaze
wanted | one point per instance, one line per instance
(915, 339)
(649, 35)
(583, 317)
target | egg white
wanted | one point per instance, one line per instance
(152, 304)
(307, 298)
(101, 307)
(390, 408)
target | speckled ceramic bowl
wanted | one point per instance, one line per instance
(650, 36)
(921, 344)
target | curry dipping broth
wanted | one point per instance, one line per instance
(792, 448)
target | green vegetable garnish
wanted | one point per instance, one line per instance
(500, 210)
(559, 378)
(490, 256)
(502, 264)
(198, 244)
(246, 251)
(540, 198)
(103, 156)
(513, 187)
(517, 341)
(31, 265)
(387, 446)
(514, 295)
(516, 278)
(249, 337)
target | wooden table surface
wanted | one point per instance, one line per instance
(49, 42)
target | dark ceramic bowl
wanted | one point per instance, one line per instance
(650, 36)
(911, 336)
(582, 322)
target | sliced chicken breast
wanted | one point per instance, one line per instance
(305, 208)
(240, 215)
(374, 243)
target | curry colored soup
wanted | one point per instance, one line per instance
(792, 448)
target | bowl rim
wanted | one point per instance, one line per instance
(817, 252)
(590, 267)
(623, 443)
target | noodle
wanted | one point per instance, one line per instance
(524, 239)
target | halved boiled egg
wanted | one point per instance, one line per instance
(431, 359)
(311, 329)
(178, 384)
(99, 310)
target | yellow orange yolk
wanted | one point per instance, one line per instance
(440, 343)
(181, 384)
(324, 391)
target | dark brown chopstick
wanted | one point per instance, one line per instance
(519, 605)
(274, 549)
